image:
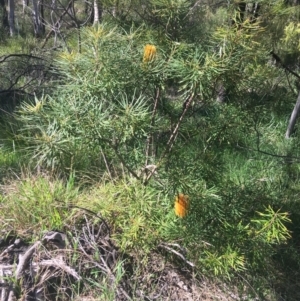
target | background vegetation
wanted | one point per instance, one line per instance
(137, 101)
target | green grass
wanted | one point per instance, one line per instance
(35, 203)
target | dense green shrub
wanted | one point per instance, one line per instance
(150, 125)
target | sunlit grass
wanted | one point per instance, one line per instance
(35, 203)
(135, 211)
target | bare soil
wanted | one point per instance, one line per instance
(62, 266)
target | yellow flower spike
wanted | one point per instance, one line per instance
(149, 53)
(181, 205)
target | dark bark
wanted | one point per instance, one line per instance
(254, 12)
(23, 75)
(292, 2)
(246, 10)
(293, 118)
(4, 14)
(279, 63)
(242, 9)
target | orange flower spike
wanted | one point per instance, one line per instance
(149, 53)
(181, 205)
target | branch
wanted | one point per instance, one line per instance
(293, 118)
(23, 259)
(280, 62)
(264, 152)
(297, 159)
(58, 263)
(115, 148)
(152, 124)
(92, 213)
(172, 138)
(177, 253)
(5, 57)
(56, 23)
(21, 92)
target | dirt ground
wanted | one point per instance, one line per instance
(48, 268)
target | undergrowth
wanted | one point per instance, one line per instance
(127, 130)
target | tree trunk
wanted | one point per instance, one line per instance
(25, 3)
(293, 118)
(11, 17)
(97, 12)
(4, 13)
(38, 26)
(43, 29)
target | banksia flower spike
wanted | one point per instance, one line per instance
(149, 53)
(181, 205)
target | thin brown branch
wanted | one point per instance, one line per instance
(114, 146)
(61, 265)
(280, 62)
(150, 137)
(177, 254)
(172, 138)
(57, 23)
(112, 276)
(24, 259)
(93, 213)
(290, 158)
(123, 162)
(106, 164)
(23, 55)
